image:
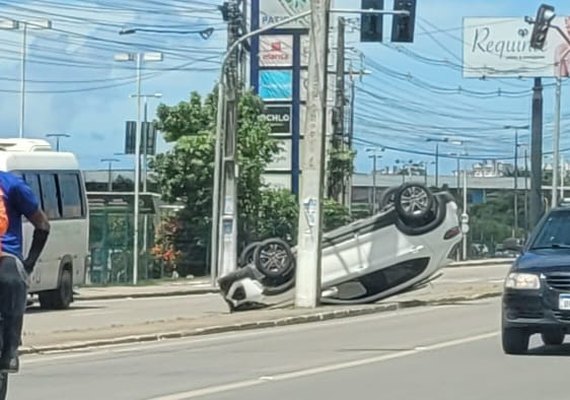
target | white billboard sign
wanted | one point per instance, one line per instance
(500, 47)
(272, 11)
(276, 51)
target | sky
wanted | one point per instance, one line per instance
(74, 86)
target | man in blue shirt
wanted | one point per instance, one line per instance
(19, 200)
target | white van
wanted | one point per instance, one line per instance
(58, 183)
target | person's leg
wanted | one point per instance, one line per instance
(13, 286)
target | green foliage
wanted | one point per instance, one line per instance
(185, 173)
(335, 215)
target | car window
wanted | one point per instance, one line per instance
(554, 231)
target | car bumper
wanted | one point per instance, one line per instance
(533, 310)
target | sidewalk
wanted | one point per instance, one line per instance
(94, 326)
(182, 287)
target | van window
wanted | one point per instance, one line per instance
(33, 181)
(50, 200)
(69, 188)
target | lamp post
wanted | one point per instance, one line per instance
(138, 58)
(110, 172)
(374, 156)
(516, 200)
(145, 137)
(437, 142)
(58, 136)
(24, 26)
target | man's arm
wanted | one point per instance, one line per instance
(41, 232)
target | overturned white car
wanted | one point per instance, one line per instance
(400, 248)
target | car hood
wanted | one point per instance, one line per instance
(544, 260)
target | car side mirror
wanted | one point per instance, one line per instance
(512, 244)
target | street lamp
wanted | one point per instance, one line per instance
(204, 33)
(138, 58)
(110, 178)
(145, 137)
(374, 156)
(58, 136)
(438, 141)
(24, 26)
(516, 201)
(458, 158)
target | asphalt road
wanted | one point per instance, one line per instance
(100, 314)
(434, 353)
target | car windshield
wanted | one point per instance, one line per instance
(555, 233)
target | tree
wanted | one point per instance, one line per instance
(185, 173)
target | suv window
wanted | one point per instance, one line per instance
(555, 231)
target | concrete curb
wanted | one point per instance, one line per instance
(113, 296)
(481, 263)
(294, 320)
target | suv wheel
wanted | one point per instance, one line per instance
(515, 341)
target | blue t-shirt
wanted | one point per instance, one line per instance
(19, 200)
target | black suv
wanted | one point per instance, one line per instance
(536, 298)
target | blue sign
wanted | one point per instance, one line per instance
(276, 85)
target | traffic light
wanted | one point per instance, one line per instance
(403, 25)
(371, 24)
(544, 18)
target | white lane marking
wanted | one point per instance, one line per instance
(192, 394)
(190, 341)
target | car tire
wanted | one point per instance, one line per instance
(414, 202)
(515, 341)
(553, 337)
(246, 256)
(274, 258)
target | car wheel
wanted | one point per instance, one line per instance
(553, 337)
(388, 197)
(413, 202)
(274, 258)
(246, 256)
(515, 341)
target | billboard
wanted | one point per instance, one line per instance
(272, 11)
(276, 85)
(500, 47)
(279, 119)
(276, 51)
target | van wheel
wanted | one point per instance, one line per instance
(61, 298)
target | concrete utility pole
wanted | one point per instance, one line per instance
(308, 274)
(536, 205)
(217, 246)
(340, 98)
(227, 260)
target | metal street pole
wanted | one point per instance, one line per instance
(308, 275)
(23, 79)
(464, 211)
(556, 142)
(57, 137)
(110, 172)
(562, 173)
(374, 201)
(437, 165)
(137, 173)
(526, 219)
(516, 200)
(536, 204)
